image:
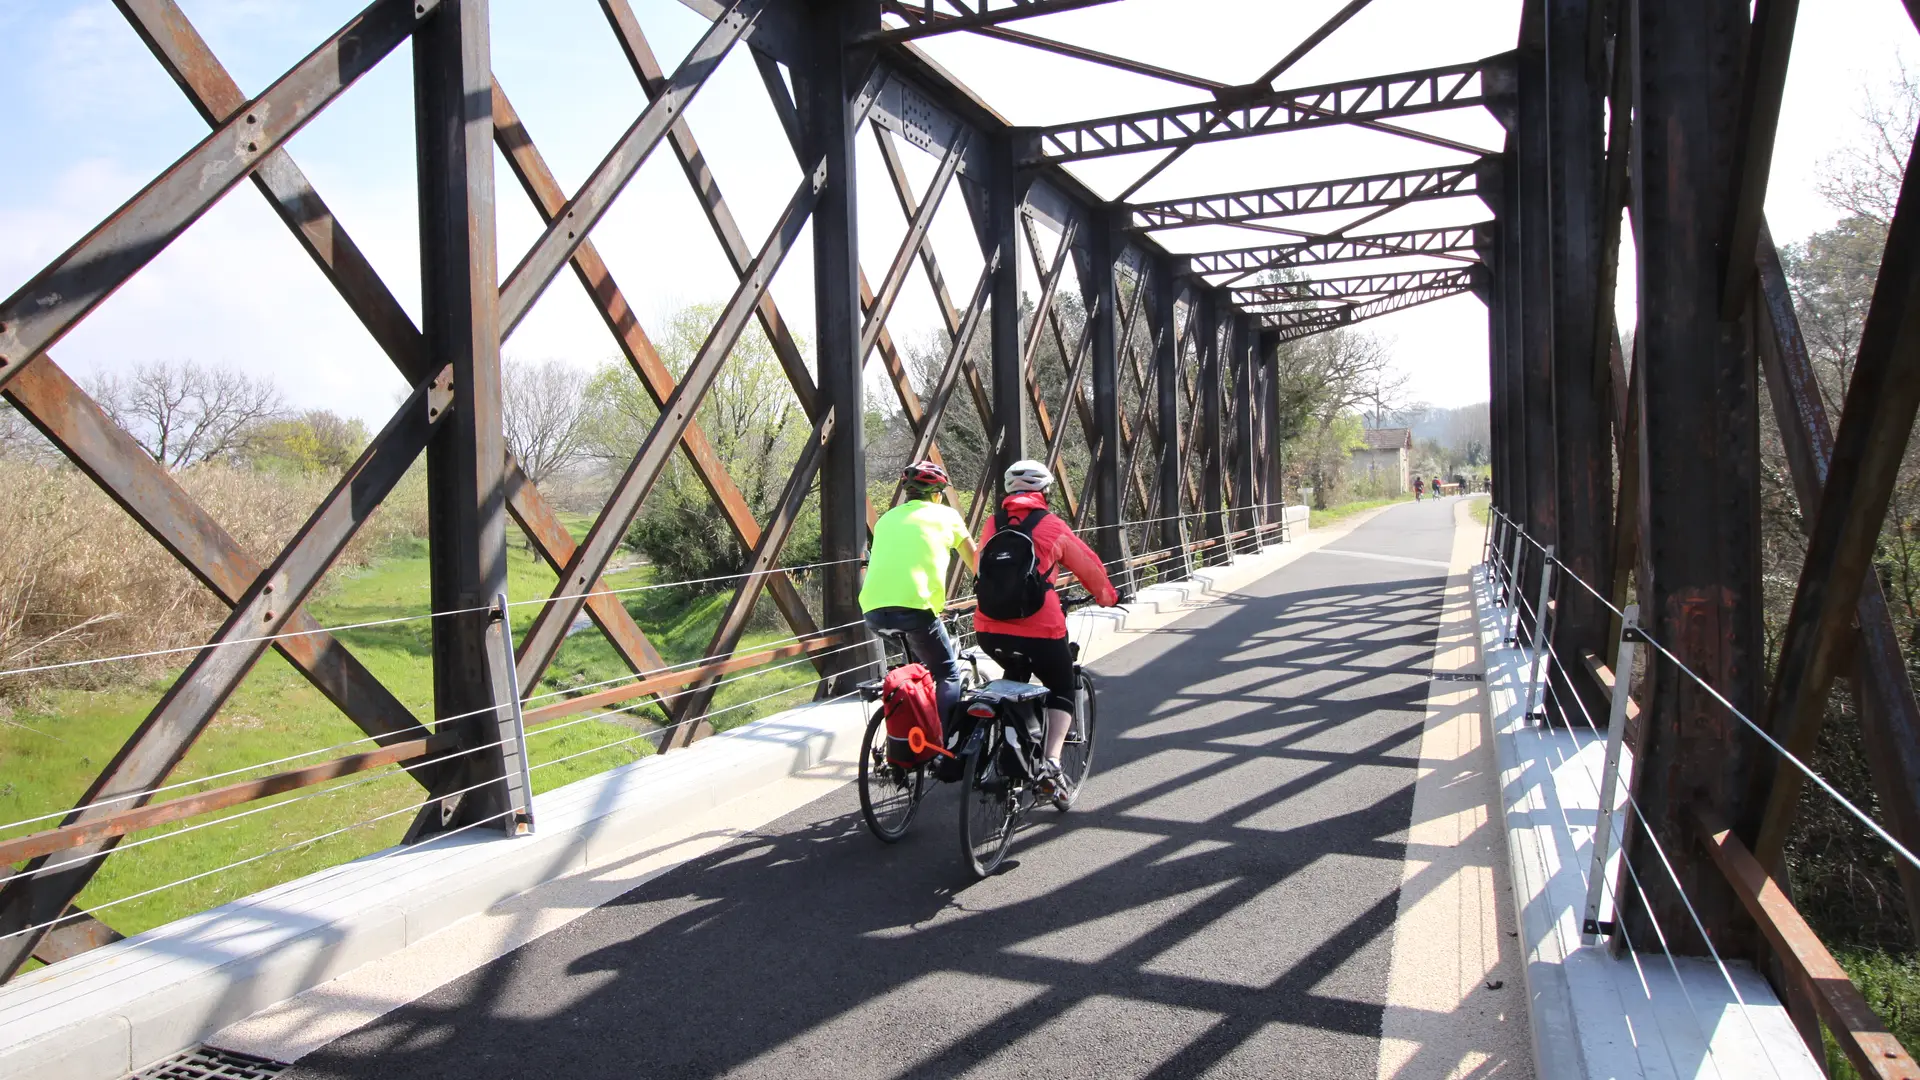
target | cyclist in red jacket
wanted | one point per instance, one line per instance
(1037, 644)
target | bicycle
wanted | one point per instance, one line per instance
(996, 743)
(890, 792)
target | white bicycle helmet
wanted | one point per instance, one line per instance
(1028, 475)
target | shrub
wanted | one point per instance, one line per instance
(84, 580)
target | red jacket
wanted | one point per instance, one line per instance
(1055, 544)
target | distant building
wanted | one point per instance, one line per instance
(1385, 461)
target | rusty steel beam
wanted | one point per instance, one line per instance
(1862, 1036)
(688, 713)
(1613, 200)
(1259, 204)
(910, 244)
(1845, 531)
(557, 546)
(186, 57)
(949, 315)
(59, 296)
(1095, 56)
(949, 377)
(1252, 297)
(1889, 715)
(128, 475)
(926, 18)
(216, 97)
(653, 82)
(1050, 284)
(903, 390)
(125, 822)
(1260, 85)
(1883, 396)
(1769, 45)
(1295, 324)
(190, 704)
(81, 932)
(583, 211)
(1583, 472)
(1458, 243)
(1412, 93)
(1699, 435)
(544, 637)
(673, 680)
(467, 520)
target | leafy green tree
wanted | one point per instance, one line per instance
(752, 418)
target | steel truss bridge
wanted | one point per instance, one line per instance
(1641, 472)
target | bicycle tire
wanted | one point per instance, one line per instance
(888, 813)
(986, 814)
(1076, 757)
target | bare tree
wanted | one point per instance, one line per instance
(21, 441)
(545, 406)
(1863, 179)
(184, 413)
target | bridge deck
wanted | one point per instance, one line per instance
(1223, 902)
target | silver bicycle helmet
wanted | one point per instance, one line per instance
(1027, 475)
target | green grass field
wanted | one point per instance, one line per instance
(1320, 519)
(57, 744)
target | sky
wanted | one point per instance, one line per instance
(102, 118)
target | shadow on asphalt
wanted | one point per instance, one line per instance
(1221, 903)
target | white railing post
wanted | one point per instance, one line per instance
(1537, 671)
(515, 751)
(1591, 928)
(1516, 580)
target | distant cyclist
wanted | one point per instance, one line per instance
(1419, 485)
(906, 586)
(1019, 621)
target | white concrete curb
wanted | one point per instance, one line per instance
(123, 1007)
(1593, 1015)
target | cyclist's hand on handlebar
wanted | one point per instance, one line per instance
(1109, 597)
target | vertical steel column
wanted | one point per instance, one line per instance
(1576, 87)
(826, 123)
(1245, 497)
(1109, 539)
(1213, 488)
(1166, 385)
(1494, 294)
(1006, 191)
(1534, 184)
(466, 457)
(1274, 462)
(1513, 461)
(1700, 445)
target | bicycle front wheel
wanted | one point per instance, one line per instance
(1076, 757)
(986, 813)
(889, 794)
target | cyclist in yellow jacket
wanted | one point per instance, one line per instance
(906, 586)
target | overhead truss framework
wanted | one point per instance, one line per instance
(1154, 389)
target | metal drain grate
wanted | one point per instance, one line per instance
(206, 1063)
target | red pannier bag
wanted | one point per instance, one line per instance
(907, 701)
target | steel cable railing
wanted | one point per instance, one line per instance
(1594, 871)
(426, 754)
(1506, 543)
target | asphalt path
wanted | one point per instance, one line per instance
(1221, 902)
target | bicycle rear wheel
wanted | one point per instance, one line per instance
(889, 794)
(1076, 757)
(986, 813)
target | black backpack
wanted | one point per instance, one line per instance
(1009, 584)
